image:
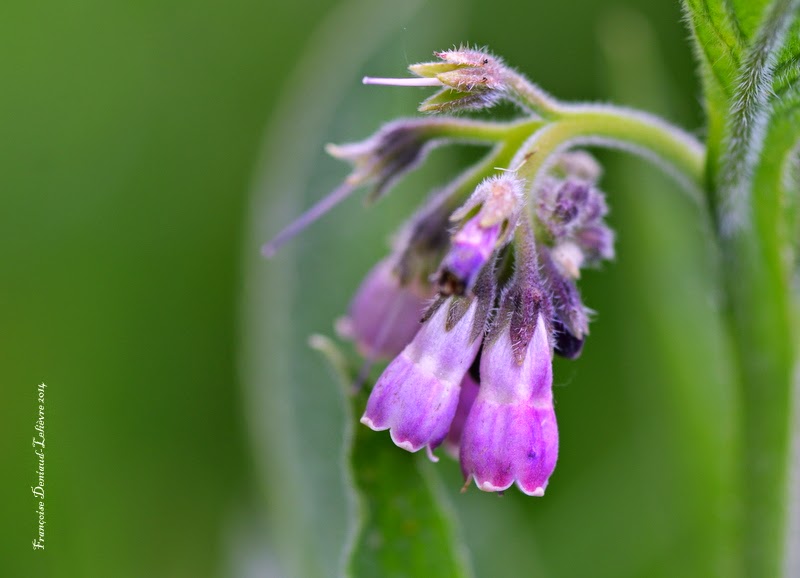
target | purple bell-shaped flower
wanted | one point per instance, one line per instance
(511, 435)
(417, 395)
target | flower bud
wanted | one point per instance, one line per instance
(473, 79)
(566, 344)
(384, 315)
(578, 164)
(383, 158)
(495, 207)
(470, 250)
(475, 64)
(569, 308)
(380, 160)
(597, 241)
(568, 258)
(573, 211)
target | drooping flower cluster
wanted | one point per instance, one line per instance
(479, 289)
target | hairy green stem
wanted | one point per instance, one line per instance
(680, 154)
(597, 124)
(480, 131)
(529, 96)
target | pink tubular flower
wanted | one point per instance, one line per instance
(511, 433)
(384, 315)
(416, 396)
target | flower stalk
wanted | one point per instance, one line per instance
(672, 149)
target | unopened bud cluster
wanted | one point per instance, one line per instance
(479, 290)
(472, 79)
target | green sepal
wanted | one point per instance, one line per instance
(451, 100)
(433, 69)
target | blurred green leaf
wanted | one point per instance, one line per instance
(406, 527)
(754, 127)
(787, 69)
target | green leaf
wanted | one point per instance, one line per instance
(723, 30)
(406, 525)
(752, 102)
(747, 16)
(787, 69)
(718, 43)
(725, 33)
(749, 116)
(759, 291)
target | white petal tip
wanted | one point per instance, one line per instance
(490, 487)
(406, 445)
(369, 423)
(537, 492)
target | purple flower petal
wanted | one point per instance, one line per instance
(416, 396)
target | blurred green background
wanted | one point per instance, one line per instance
(185, 418)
